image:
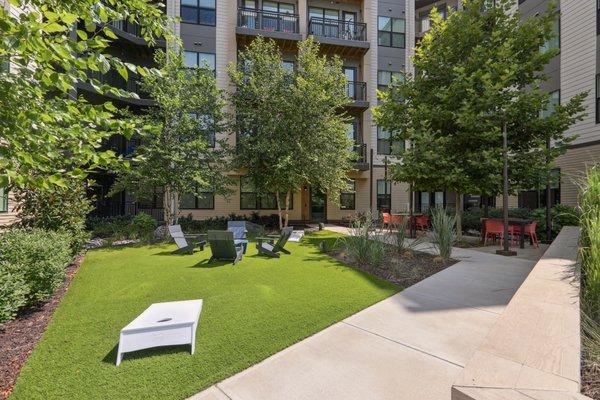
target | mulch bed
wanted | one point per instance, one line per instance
(401, 269)
(19, 336)
(590, 379)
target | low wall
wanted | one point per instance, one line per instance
(533, 351)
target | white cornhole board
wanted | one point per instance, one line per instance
(161, 324)
(296, 236)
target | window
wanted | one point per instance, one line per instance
(391, 32)
(553, 101)
(250, 200)
(385, 78)
(206, 126)
(384, 195)
(385, 145)
(194, 59)
(323, 22)
(288, 66)
(202, 12)
(3, 200)
(204, 202)
(536, 197)
(348, 196)
(554, 42)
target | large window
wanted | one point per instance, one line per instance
(536, 197)
(348, 196)
(204, 202)
(3, 200)
(201, 12)
(385, 145)
(384, 195)
(391, 32)
(385, 78)
(194, 59)
(553, 43)
(553, 101)
(250, 200)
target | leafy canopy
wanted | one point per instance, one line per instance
(476, 70)
(47, 136)
(291, 124)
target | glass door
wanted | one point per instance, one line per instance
(349, 29)
(248, 14)
(318, 206)
(350, 73)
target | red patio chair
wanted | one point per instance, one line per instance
(529, 231)
(493, 228)
(387, 219)
(397, 219)
(422, 222)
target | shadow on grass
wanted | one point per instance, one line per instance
(111, 356)
(207, 263)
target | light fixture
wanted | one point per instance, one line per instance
(197, 43)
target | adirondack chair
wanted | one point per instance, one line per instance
(181, 240)
(239, 230)
(268, 247)
(223, 247)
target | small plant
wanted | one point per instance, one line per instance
(361, 245)
(143, 226)
(444, 233)
(397, 236)
(321, 226)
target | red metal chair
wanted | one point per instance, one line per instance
(397, 219)
(422, 222)
(493, 228)
(387, 219)
(529, 230)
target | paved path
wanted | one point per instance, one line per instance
(411, 346)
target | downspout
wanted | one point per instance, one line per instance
(371, 181)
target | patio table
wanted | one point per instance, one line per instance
(161, 324)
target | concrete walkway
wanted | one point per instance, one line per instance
(411, 346)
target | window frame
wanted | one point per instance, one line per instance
(392, 74)
(388, 196)
(198, 65)
(196, 202)
(257, 199)
(392, 144)
(391, 32)
(198, 8)
(349, 194)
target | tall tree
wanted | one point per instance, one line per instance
(477, 70)
(180, 149)
(48, 137)
(291, 125)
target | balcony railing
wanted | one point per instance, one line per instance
(357, 91)
(128, 27)
(267, 20)
(338, 29)
(114, 79)
(361, 150)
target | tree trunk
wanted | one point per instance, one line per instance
(287, 208)
(167, 216)
(279, 209)
(175, 206)
(458, 212)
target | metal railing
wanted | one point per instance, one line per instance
(114, 79)
(336, 28)
(361, 150)
(128, 27)
(267, 20)
(357, 91)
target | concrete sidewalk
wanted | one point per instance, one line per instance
(410, 346)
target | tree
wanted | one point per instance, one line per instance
(179, 150)
(47, 136)
(477, 70)
(292, 130)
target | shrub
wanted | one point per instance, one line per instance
(444, 232)
(562, 215)
(590, 242)
(190, 225)
(64, 209)
(397, 236)
(38, 257)
(116, 228)
(143, 226)
(362, 247)
(13, 293)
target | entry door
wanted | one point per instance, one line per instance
(318, 206)
(350, 73)
(349, 25)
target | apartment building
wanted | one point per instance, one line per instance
(376, 39)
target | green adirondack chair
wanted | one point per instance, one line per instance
(223, 246)
(269, 247)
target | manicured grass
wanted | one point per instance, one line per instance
(251, 310)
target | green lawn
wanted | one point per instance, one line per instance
(251, 310)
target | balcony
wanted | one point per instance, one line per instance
(357, 91)
(113, 79)
(283, 27)
(132, 32)
(347, 38)
(361, 163)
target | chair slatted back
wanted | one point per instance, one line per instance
(222, 245)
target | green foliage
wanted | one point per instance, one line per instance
(115, 228)
(37, 257)
(562, 215)
(292, 132)
(176, 152)
(13, 293)
(444, 233)
(289, 299)
(190, 225)
(143, 225)
(48, 136)
(590, 242)
(398, 236)
(477, 70)
(362, 245)
(63, 209)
